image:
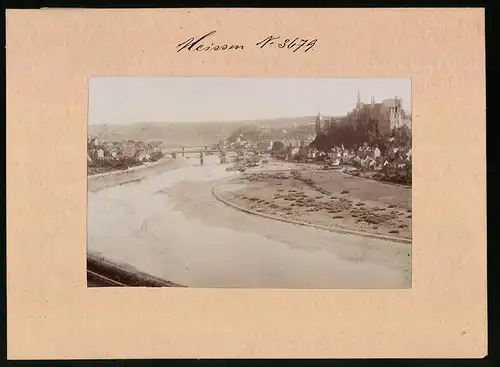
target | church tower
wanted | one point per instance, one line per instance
(358, 103)
(318, 124)
(396, 114)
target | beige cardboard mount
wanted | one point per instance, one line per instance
(52, 314)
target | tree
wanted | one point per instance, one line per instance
(235, 135)
(277, 147)
(322, 142)
(402, 136)
(246, 133)
(155, 156)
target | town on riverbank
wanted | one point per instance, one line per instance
(108, 156)
(319, 199)
(351, 172)
(354, 173)
(373, 140)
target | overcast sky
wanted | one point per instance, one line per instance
(125, 100)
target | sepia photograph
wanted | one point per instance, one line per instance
(279, 183)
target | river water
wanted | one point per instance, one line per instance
(170, 225)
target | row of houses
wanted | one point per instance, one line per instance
(267, 144)
(369, 158)
(103, 149)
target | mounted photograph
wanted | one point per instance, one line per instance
(278, 183)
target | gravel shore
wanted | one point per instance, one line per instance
(326, 198)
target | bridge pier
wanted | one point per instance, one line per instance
(222, 156)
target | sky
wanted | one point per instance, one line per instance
(126, 100)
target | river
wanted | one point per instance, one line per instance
(171, 226)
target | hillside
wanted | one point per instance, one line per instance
(190, 133)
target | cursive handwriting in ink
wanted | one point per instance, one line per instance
(202, 44)
(290, 44)
(189, 45)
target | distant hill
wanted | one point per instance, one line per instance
(173, 134)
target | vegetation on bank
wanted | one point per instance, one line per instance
(389, 174)
(396, 175)
(119, 164)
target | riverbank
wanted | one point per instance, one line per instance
(115, 178)
(123, 274)
(325, 198)
(379, 177)
(130, 169)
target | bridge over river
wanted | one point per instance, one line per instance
(209, 149)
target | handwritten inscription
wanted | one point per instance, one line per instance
(193, 44)
(203, 44)
(294, 44)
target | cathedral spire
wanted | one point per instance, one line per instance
(358, 103)
(318, 123)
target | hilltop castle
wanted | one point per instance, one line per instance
(389, 113)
